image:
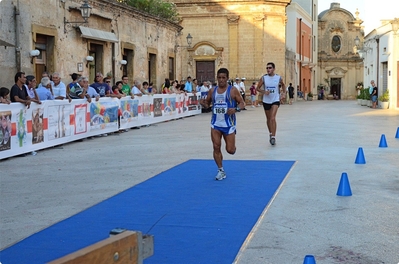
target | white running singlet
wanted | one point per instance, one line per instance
(271, 83)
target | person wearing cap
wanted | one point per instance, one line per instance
(242, 90)
(271, 98)
(45, 92)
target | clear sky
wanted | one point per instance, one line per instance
(370, 11)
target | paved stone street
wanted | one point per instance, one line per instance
(306, 216)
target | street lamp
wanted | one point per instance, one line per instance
(85, 10)
(395, 25)
(357, 41)
(189, 39)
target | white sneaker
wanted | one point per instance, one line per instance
(220, 176)
(253, 106)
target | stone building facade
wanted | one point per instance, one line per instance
(239, 35)
(114, 34)
(380, 52)
(339, 64)
(301, 43)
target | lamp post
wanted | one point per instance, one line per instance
(85, 10)
(189, 39)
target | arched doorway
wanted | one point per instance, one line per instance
(336, 87)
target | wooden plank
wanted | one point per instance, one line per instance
(121, 248)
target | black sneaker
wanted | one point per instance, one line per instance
(272, 141)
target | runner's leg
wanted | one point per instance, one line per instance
(273, 123)
(216, 137)
(230, 143)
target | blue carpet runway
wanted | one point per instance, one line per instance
(193, 218)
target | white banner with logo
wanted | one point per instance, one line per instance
(56, 122)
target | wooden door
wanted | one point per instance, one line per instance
(205, 71)
(336, 87)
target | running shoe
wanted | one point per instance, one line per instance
(221, 175)
(272, 141)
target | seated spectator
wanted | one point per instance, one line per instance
(173, 88)
(45, 92)
(18, 92)
(30, 86)
(4, 95)
(59, 88)
(125, 86)
(79, 90)
(183, 88)
(74, 77)
(136, 89)
(101, 87)
(115, 90)
(144, 89)
(205, 87)
(45, 74)
(152, 89)
(166, 86)
(91, 91)
(109, 91)
(119, 84)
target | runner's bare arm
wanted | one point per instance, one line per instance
(260, 83)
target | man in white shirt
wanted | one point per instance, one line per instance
(59, 88)
(136, 88)
(242, 90)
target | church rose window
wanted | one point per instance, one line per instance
(336, 44)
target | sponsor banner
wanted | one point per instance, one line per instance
(56, 122)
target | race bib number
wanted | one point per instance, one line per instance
(220, 108)
(271, 90)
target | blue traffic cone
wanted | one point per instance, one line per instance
(309, 259)
(360, 157)
(383, 142)
(397, 133)
(344, 188)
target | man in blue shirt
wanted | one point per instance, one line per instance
(44, 91)
(189, 85)
(101, 87)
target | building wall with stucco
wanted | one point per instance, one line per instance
(116, 32)
(239, 35)
(339, 65)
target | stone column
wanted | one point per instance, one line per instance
(259, 63)
(232, 21)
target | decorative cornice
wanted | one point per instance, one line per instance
(337, 29)
(233, 19)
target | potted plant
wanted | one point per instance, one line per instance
(310, 96)
(365, 97)
(384, 99)
(359, 99)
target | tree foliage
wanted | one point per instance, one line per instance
(159, 8)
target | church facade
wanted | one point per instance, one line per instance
(340, 67)
(242, 36)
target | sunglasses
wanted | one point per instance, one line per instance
(269, 67)
(108, 82)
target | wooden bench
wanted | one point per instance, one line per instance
(125, 247)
